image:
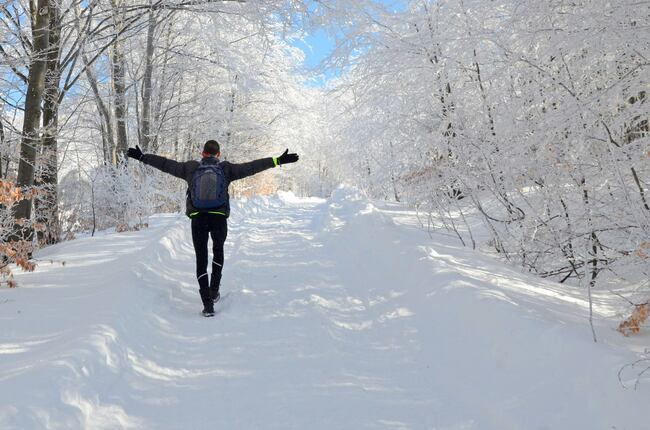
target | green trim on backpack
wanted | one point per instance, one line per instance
(193, 214)
(275, 161)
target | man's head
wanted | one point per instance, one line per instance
(211, 148)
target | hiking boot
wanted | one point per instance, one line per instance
(215, 296)
(206, 298)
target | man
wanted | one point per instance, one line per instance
(208, 205)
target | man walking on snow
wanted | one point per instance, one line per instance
(208, 205)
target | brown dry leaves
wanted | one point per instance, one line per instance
(643, 250)
(18, 252)
(123, 227)
(10, 194)
(632, 325)
(5, 272)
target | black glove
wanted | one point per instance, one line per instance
(287, 158)
(135, 153)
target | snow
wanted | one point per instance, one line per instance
(336, 314)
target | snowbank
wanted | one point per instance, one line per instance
(337, 313)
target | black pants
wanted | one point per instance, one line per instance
(216, 226)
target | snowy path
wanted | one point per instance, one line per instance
(334, 317)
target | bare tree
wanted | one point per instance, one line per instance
(40, 19)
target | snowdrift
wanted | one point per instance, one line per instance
(337, 314)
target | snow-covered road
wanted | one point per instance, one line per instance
(337, 314)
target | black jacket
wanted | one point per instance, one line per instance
(186, 169)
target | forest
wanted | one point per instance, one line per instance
(521, 127)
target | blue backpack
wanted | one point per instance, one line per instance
(208, 188)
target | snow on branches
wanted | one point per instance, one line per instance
(529, 118)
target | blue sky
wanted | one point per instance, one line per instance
(317, 45)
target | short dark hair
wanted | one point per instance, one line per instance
(211, 147)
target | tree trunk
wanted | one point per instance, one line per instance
(159, 115)
(108, 134)
(177, 125)
(40, 16)
(46, 205)
(118, 72)
(231, 111)
(2, 142)
(119, 92)
(145, 129)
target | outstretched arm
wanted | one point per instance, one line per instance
(243, 170)
(161, 163)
